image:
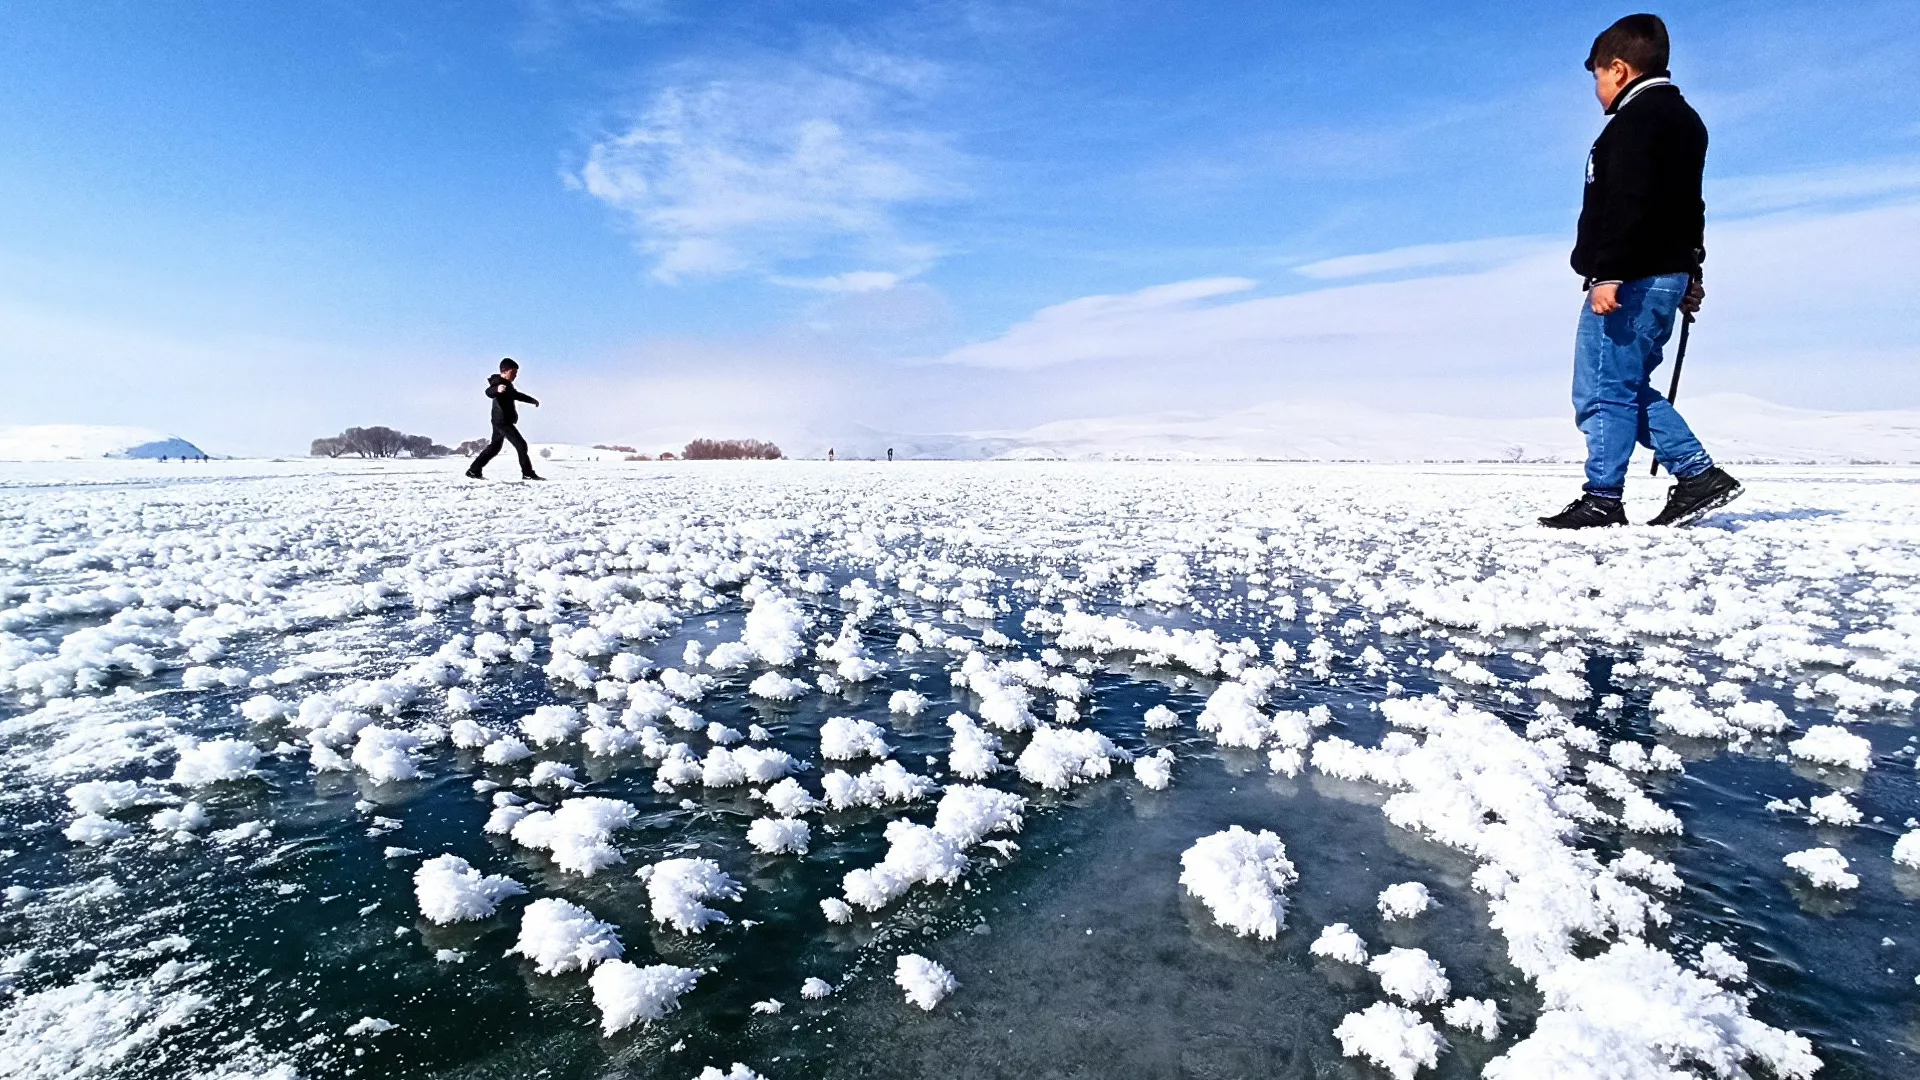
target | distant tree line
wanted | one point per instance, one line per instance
(385, 442)
(381, 442)
(730, 450)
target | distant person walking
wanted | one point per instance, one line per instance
(1641, 244)
(506, 418)
(889, 453)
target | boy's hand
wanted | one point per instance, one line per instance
(1696, 293)
(1604, 298)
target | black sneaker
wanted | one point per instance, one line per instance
(1589, 511)
(1697, 496)
(474, 474)
(531, 476)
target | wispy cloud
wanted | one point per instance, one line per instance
(1857, 182)
(776, 166)
(1460, 255)
(853, 281)
(1797, 302)
(546, 24)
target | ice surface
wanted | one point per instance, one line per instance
(373, 649)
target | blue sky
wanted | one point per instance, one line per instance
(253, 224)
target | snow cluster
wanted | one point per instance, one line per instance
(1338, 942)
(677, 888)
(918, 854)
(925, 982)
(559, 937)
(1242, 877)
(451, 890)
(627, 993)
(578, 836)
(1392, 1037)
(1404, 901)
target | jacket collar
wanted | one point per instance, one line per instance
(1633, 89)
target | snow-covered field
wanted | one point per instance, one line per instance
(793, 770)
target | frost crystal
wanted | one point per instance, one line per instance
(1242, 877)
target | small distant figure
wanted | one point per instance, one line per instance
(829, 453)
(889, 453)
(506, 418)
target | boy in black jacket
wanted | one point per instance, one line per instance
(1640, 249)
(506, 417)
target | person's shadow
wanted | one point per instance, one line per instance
(1737, 521)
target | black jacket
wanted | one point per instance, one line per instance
(1642, 213)
(504, 396)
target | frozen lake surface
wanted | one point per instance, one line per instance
(329, 769)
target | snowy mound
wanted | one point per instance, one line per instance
(1744, 429)
(83, 442)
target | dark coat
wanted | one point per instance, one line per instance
(1642, 213)
(505, 409)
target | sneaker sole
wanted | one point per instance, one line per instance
(1706, 508)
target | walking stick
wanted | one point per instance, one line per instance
(1679, 358)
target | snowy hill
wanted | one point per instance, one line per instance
(79, 442)
(1737, 428)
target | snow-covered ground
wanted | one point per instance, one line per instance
(325, 768)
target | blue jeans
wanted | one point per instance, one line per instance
(1614, 403)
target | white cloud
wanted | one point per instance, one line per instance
(1806, 307)
(775, 165)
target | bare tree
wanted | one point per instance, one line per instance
(731, 450)
(377, 442)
